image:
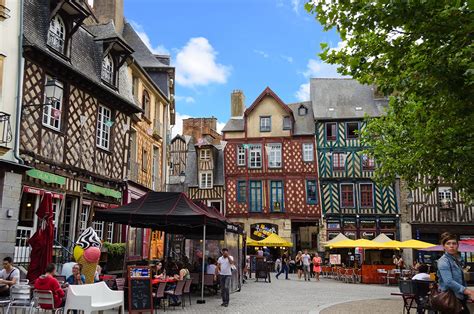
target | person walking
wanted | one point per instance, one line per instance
(284, 266)
(450, 271)
(317, 261)
(224, 269)
(299, 264)
(306, 261)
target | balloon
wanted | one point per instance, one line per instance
(78, 251)
(92, 254)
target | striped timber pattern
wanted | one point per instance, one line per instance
(195, 193)
(341, 140)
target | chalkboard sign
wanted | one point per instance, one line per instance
(140, 297)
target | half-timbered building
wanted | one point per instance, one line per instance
(352, 202)
(271, 170)
(75, 122)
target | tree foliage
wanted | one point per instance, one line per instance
(420, 53)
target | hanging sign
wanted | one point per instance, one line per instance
(260, 231)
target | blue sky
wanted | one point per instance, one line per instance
(221, 45)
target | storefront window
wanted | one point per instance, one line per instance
(332, 235)
(334, 224)
(351, 234)
(27, 209)
(369, 235)
(350, 223)
(367, 224)
(387, 224)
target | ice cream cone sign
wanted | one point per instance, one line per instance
(87, 253)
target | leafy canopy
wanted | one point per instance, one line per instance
(420, 53)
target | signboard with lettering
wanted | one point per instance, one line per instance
(369, 235)
(140, 297)
(260, 231)
(335, 259)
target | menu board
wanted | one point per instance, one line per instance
(140, 297)
(335, 259)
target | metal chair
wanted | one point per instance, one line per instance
(120, 282)
(209, 283)
(159, 294)
(349, 275)
(178, 290)
(20, 298)
(187, 290)
(45, 297)
(61, 279)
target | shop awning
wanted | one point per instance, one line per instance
(362, 243)
(394, 244)
(415, 244)
(382, 238)
(251, 242)
(273, 240)
(46, 176)
(104, 191)
(338, 238)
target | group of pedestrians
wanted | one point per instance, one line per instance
(306, 265)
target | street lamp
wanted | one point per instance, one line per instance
(182, 177)
(53, 90)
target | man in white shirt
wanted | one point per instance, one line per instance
(224, 269)
(9, 276)
(306, 261)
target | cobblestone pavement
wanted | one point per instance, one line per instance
(298, 296)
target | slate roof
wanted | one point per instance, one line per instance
(304, 125)
(103, 31)
(234, 124)
(86, 53)
(344, 99)
(192, 165)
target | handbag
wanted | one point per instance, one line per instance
(444, 301)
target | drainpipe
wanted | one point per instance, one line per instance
(21, 65)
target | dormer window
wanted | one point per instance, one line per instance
(287, 123)
(302, 110)
(146, 103)
(57, 34)
(108, 69)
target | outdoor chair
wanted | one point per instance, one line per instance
(159, 295)
(391, 274)
(196, 277)
(60, 279)
(178, 291)
(187, 290)
(93, 297)
(382, 274)
(45, 297)
(120, 282)
(20, 298)
(349, 275)
(209, 283)
(358, 275)
(340, 273)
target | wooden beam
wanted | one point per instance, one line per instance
(56, 9)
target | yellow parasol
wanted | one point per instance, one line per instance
(415, 244)
(274, 240)
(362, 243)
(251, 242)
(394, 244)
(341, 244)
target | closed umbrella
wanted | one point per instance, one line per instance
(42, 241)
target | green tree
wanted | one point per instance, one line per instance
(420, 53)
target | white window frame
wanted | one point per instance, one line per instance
(108, 69)
(255, 156)
(367, 162)
(57, 34)
(205, 154)
(308, 152)
(343, 158)
(445, 192)
(103, 130)
(274, 155)
(110, 233)
(266, 124)
(240, 155)
(84, 217)
(52, 111)
(98, 226)
(205, 180)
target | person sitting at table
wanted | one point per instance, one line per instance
(48, 282)
(183, 272)
(422, 273)
(9, 276)
(77, 278)
(159, 271)
(211, 266)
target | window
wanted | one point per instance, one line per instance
(52, 111)
(103, 127)
(255, 156)
(287, 123)
(108, 69)
(274, 155)
(311, 192)
(98, 226)
(135, 87)
(1, 74)
(302, 110)
(352, 129)
(347, 195)
(110, 233)
(144, 160)
(241, 192)
(205, 180)
(146, 103)
(276, 196)
(84, 217)
(339, 161)
(255, 196)
(57, 34)
(308, 152)
(240, 155)
(265, 124)
(366, 195)
(205, 154)
(331, 131)
(367, 162)
(445, 192)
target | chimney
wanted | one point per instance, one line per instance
(106, 10)
(237, 103)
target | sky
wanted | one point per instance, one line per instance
(218, 46)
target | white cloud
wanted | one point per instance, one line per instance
(279, 3)
(178, 127)
(295, 5)
(303, 93)
(186, 99)
(262, 53)
(287, 58)
(196, 64)
(160, 49)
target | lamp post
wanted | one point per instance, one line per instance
(53, 91)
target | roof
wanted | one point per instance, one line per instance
(142, 54)
(267, 92)
(103, 31)
(86, 55)
(344, 98)
(234, 124)
(192, 179)
(304, 125)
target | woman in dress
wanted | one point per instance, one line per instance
(317, 265)
(299, 264)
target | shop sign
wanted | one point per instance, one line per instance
(334, 224)
(391, 235)
(369, 235)
(332, 235)
(367, 224)
(350, 223)
(335, 259)
(28, 189)
(350, 234)
(260, 231)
